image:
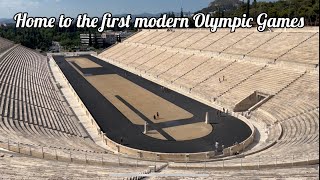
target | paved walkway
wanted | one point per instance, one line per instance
(74, 105)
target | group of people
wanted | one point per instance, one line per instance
(222, 79)
(216, 145)
(156, 116)
(163, 89)
(222, 113)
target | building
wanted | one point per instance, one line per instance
(106, 38)
(95, 38)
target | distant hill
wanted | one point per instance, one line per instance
(227, 5)
(309, 9)
(148, 15)
(6, 21)
(138, 15)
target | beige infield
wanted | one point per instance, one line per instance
(83, 62)
(147, 103)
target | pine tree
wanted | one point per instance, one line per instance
(181, 14)
(255, 9)
(90, 39)
(96, 44)
(248, 8)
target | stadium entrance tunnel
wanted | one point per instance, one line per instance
(252, 102)
(122, 102)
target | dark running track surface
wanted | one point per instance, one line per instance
(227, 129)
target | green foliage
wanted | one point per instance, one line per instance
(227, 5)
(41, 38)
(282, 8)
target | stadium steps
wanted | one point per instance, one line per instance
(161, 60)
(268, 81)
(236, 42)
(305, 54)
(274, 133)
(5, 45)
(134, 36)
(175, 65)
(198, 36)
(41, 137)
(241, 81)
(237, 173)
(284, 82)
(149, 56)
(282, 108)
(248, 44)
(32, 102)
(131, 54)
(131, 51)
(154, 169)
(184, 67)
(190, 70)
(289, 112)
(160, 37)
(279, 45)
(185, 35)
(232, 75)
(141, 66)
(263, 44)
(151, 35)
(213, 75)
(35, 101)
(300, 113)
(8, 79)
(37, 124)
(169, 38)
(121, 52)
(8, 51)
(139, 55)
(113, 49)
(144, 34)
(193, 46)
(17, 166)
(25, 114)
(227, 41)
(212, 66)
(296, 46)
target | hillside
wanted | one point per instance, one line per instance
(282, 8)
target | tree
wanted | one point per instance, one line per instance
(281, 8)
(248, 9)
(254, 4)
(181, 13)
(96, 44)
(90, 39)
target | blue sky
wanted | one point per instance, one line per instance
(95, 7)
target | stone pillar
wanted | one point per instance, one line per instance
(207, 118)
(145, 128)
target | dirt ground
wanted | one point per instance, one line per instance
(83, 62)
(112, 86)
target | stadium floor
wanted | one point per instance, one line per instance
(226, 129)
